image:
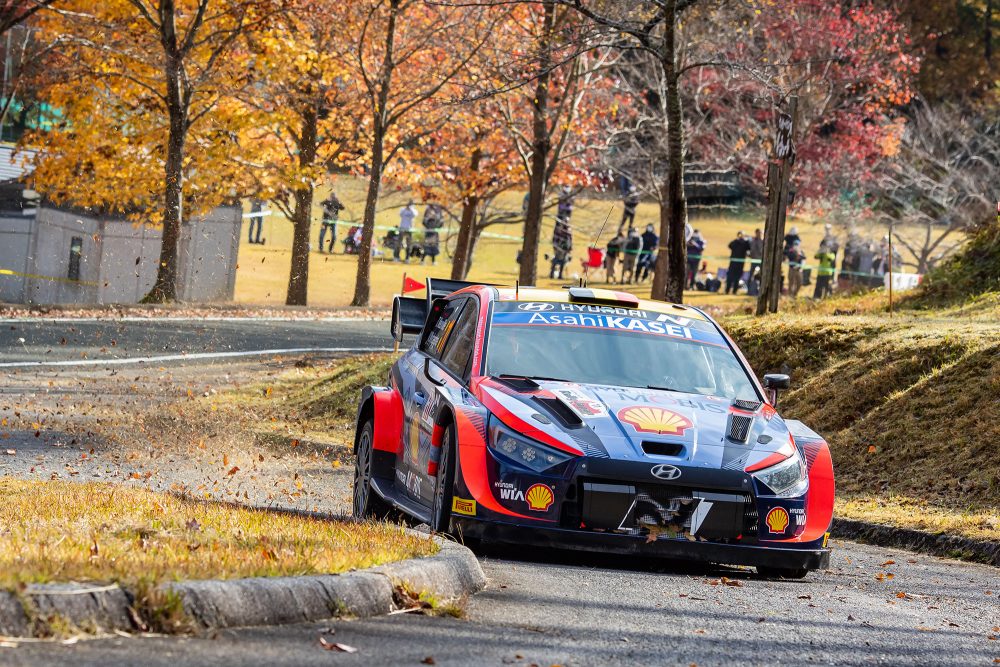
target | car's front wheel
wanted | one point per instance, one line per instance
(445, 481)
(782, 572)
(367, 503)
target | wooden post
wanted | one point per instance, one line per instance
(779, 173)
(890, 270)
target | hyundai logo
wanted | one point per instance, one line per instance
(536, 307)
(665, 472)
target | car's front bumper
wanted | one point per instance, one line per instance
(809, 558)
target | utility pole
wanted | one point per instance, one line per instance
(779, 171)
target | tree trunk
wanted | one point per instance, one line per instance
(298, 277)
(668, 280)
(463, 246)
(541, 144)
(362, 283)
(165, 287)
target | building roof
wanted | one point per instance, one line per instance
(13, 168)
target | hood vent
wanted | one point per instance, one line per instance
(561, 411)
(662, 448)
(743, 404)
(739, 427)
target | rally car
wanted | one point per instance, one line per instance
(590, 419)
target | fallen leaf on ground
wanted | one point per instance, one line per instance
(335, 646)
(233, 470)
(11, 452)
(429, 660)
(888, 562)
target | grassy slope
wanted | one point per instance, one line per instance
(910, 407)
(262, 276)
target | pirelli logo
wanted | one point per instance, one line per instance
(463, 506)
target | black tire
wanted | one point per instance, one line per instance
(444, 484)
(367, 503)
(782, 572)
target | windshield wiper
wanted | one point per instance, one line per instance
(679, 391)
(510, 376)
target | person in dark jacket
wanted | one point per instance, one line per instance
(631, 202)
(695, 249)
(791, 238)
(615, 247)
(739, 248)
(331, 211)
(562, 245)
(646, 255)
(633, 246)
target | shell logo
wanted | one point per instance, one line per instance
(777, 520)
(648, 419)
(539, 497)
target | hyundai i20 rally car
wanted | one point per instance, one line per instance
(590, 419)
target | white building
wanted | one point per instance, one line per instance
(53, 255)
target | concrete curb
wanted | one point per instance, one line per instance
(951, 546)
(451, 574)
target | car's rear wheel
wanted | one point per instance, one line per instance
(782, 572)
(445, 481)
(367, 503)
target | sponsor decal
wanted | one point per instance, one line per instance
(536, 307)
(606, 310)
(800, 516)
(508, 491)
(777, 520)
(826, 539)
(463, 506)
(649, 419)
(539, 497)
(413, 483)
(665, 471)
(582, 405)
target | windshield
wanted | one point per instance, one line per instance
(613, 346)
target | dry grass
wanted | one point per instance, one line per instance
(65, 531)
(262, 277)
(981, 524)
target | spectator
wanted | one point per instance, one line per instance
(633, 245)
(433, 216)
(631, 202)
(615, 247)
(827, 267)
(739, 248)
(406, 217)
(331, 210)
(756, 254)
(646, 256)
(562, 245)
(795, 258)
(695, 249)
(564, 209)
(829, 241)
(688, 231)
(256, 227)
(791, 238)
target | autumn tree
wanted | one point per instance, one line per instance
(941, 182)
(307, 110)
(15, 12)
(146, 107)
(652, 27)
(406, 53)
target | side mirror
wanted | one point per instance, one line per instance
(775, 382)
(434, 372)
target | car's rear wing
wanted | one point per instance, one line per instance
(410, 313)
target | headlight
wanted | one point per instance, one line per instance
(785, 479)
(519, 450)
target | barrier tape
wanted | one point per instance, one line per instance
(35, 276)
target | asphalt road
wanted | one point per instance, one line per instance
(540, 607)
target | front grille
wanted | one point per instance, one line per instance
(662, 511)
(662, 448)
(739, 427)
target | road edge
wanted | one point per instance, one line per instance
(452, 574)
(949, 546)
